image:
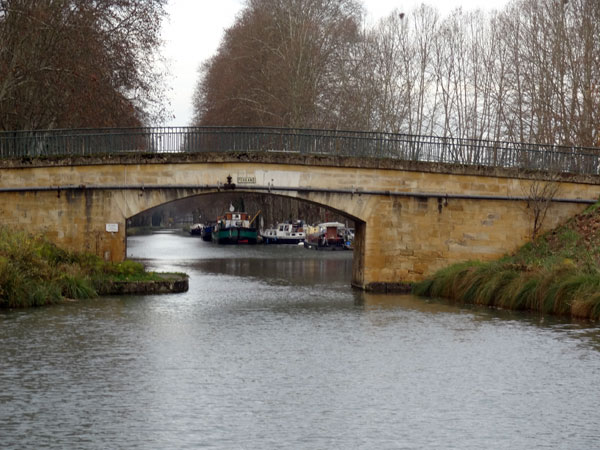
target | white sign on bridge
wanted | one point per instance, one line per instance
(246, 180)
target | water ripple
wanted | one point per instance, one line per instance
(275, 350)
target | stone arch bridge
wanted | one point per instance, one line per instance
(419, 203)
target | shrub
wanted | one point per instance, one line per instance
(35, 272)
(76, 287)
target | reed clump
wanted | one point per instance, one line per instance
(35, 272)
(558, 273)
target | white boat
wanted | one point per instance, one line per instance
(285, 233)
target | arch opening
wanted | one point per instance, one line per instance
(269, 208)
(184, 211)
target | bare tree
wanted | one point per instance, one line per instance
(425, 100)
(280, 64)
(553, 71)
(393, 73)
(540, 194)
(75, 63)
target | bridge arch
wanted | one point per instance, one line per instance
(244, 193)
(150, 198)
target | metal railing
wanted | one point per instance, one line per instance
(473, 152)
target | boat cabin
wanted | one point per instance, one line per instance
(285, 233)
(235, 219)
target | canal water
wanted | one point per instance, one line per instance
(271, 348)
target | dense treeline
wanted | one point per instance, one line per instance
(280, 64)
(530, 72)
(78, 63)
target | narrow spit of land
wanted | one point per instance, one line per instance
(557, 273)
(35, 272)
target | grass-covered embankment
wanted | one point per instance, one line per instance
(558, 273)
(35, 272)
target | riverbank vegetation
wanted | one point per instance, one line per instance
(35, 272)
(557, 273)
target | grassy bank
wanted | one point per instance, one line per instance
(558, 273)
(35, 272)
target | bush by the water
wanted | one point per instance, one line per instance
(35, 272)
(558, 273)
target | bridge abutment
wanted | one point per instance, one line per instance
(79, 220)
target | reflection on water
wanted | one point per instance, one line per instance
(391, 301)
(280, 272)
(271, 348)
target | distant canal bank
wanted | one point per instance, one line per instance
(270, 346)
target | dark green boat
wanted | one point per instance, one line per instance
(235, 228)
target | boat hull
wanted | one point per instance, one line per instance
(279, 240)
(330, 246)
(207, 233)
(235, 235)
(196, 229)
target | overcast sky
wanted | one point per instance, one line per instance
(194, 30)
